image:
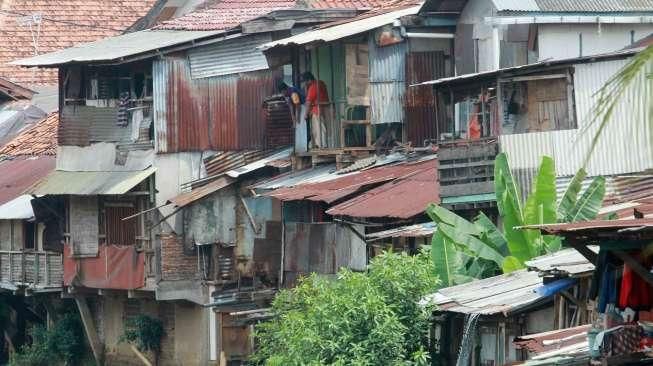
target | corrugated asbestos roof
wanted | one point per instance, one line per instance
(402, 198)
(340, 187)
(348, 28)
(503, 294)
(574, 6)
(412, 231)
(566, 262)
(38, 140)
(115, 48)
(89, 183)
(19, 174)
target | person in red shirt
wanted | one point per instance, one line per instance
(318, 106)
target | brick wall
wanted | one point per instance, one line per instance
(175, 265)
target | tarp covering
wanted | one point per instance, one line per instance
(115, 267)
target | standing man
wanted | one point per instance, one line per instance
(295, 99)
(317, 104)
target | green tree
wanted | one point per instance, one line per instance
(463, 250)
(370, 318)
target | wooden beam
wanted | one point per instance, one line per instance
(572, 298)
(586, 252)
(635, 265)
(90, 330)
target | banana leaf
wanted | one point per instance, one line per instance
(442, 215)
(570, 197)
(540, 206)
(505, 185)
(479, 248)
(511, 264)
(589, 204)
(491, 234)
(445, 259)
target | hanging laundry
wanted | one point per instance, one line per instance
(635, 292)
(123, 106)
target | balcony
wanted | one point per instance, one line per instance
(35, 270)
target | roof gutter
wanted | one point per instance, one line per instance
(568, 19)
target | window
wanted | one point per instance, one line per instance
(536, 104)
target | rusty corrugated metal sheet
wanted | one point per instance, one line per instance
(216, 113)
(279, 126)
(595, 226)
(115, 267)
(569, 341)
(339, 188)
(187, 198)
(402, 198)
(227, 160)
(419, 105)
(19, 174)
(411, 231)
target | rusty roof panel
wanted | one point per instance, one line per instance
(19, 174)
(402, 198)
(339, 188)
(593, 226)
(568, 341)
(187, 198)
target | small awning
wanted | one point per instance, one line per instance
(363, 23)
(20, 208)
(187, 198)
(61, 182)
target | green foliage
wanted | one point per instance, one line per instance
(464, 250)
(144, 331)
(62, 344)
(370, 318)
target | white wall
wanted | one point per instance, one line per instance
(623, 147)
(559, 41)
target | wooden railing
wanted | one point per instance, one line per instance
(40, 270)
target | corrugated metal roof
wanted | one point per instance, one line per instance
(19, 174)
(562, 342)
(361, 24)
(503, 294)
(225, 161)
(402, 198)
(593, 226)
(412, 231)
(89, 183)
(333, 190)
(187, 198)
(465, 78)
(261, 163)
(566, 262)
(229, 57)
(574, 6)
(115, 48)
(313, 175)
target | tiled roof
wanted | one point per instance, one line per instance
(227, 14)
(39, 140)
(64, 23)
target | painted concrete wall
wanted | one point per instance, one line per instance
(559, 41)
(185, 324)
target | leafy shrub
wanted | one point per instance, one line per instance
(144, 331)
(367, 318)
(62, 344)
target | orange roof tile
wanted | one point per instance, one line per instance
(39, 140)
(65, 23)
(227, 14)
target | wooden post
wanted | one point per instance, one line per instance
(90, 330)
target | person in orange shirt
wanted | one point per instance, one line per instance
(317, 104)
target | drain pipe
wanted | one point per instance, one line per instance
(406, 34)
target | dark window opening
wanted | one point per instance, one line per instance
(30, 235)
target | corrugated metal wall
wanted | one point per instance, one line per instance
(420, 106)
(623, 146)
(216, 113)
(229, 57)
(387, 82)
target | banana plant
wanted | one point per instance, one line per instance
(463, 249)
